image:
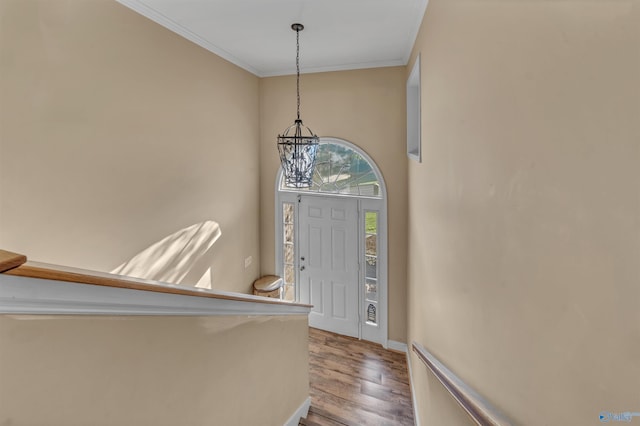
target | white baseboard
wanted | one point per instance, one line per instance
(397, 346)
(416, 415)
(302, 411)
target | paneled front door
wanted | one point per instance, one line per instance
(328, 262)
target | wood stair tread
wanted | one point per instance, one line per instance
(319, 417)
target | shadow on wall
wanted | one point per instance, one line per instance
(172, 258)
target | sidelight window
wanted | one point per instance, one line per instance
(288, 250)
(371, 267)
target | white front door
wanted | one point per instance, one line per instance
(328, 262)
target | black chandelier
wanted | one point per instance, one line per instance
(298, 145)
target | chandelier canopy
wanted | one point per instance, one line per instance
(298, 145)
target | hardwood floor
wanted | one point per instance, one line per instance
(356, 383)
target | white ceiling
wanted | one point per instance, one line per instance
(257, 36)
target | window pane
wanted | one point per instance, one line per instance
(288, 253)
(289, 293)
(371, 245)
(371, 289)
(288, 274)
(287, 212)
(371, 264)
(288, 233)
(371, 222)
(372, 318)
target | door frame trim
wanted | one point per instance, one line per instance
(364, 203)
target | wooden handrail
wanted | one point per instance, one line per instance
(481, 412)
(16, 265)
(10, 260)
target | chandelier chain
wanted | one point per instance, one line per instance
(298, 69)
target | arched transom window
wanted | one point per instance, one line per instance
(341, 170)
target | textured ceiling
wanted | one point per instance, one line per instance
(256, 34)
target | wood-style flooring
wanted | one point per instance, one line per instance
(356, 383)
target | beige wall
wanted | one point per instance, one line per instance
(524, 232)
(66, 371)
(365, 107)
(117, 134)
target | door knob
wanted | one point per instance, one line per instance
(302, 258)
(302, 268)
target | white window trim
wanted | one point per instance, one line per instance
(414, 121)
(364, 203)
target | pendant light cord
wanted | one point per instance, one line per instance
(298, 69)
